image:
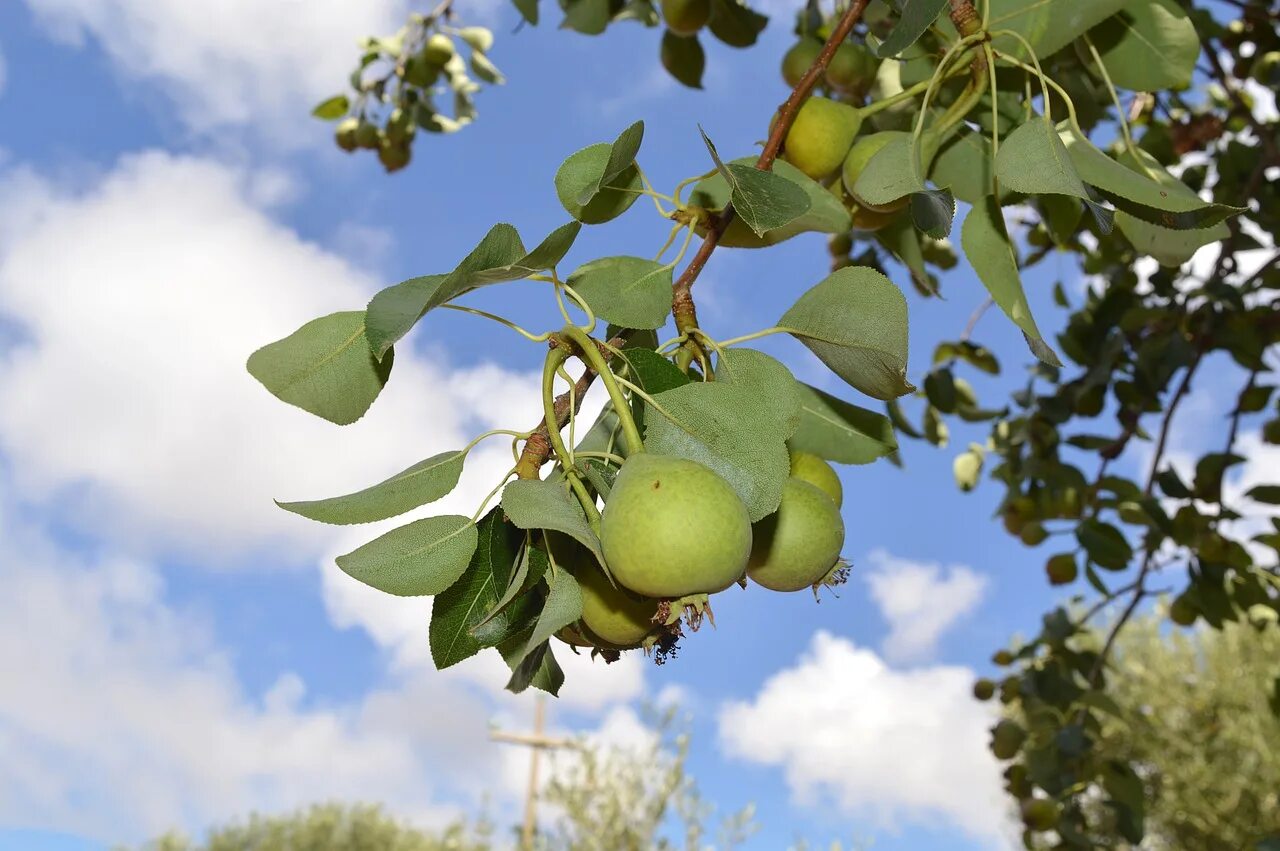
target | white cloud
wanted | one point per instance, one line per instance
(919, 602)
(127, 399)
(233, 62)
(874, 742)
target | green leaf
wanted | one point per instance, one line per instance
(1269, 494)
(965, 166)
(825, 213)
(774, 390)
(532, 565)
(563, 606)
(1105, 544)
(1149, 46)
(720, 426)
(833, 429)
(916, 17)
(333, 108)
(987, 246)
(893, 172)
(734, 23)
(764, 200)
(535, 504)
(424, 557)
(605, 174)
(684, 58)
(460, 609)
(1048, 26)
(902, 239)
(422, 483)
(1034, 161)
(528, 10)
(855, 321)
(932, 211)
(653, 372)
(325, 368)
(538, 668)
(485, 69)
(1140, 187)
(629, 291)
(1168, 247)
(589, 17)
(499, 257)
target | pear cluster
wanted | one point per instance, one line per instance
(827, 140)
(673, 533)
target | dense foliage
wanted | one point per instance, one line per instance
(1122, 132)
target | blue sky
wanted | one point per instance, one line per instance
(178, 651)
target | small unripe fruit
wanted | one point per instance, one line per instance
(1033, 534)
(865, 218)
(438, 50)
(367, 135)
(856, 161)
(400, 127)
(686, 17)
(1002, 658)
(672, 527)
(345, 134)
(613, 614)
(852, 68)
(821, 136)
(1062, 569)
(808, 467)
(984, 689)
(1007, 738)
(1040, 814)
(392, 156)
(419, 71)
(799, 59)
(797, 546)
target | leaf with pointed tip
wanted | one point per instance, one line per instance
(825, 214)
(723, 427)
(422, 483)
(332, 109)
(855, 321)
(964, 165)
(460, 609)
(589, 17)
(528, 10)
(605, 174)
(764, 200)
(632, 292)
(563, 606)
(530, 568)
(833, 429)
(424, 557)
(916, 17)
(893, 172)
(1148, 46)
(538, 668)
(1033, 161)
(499, 257)
(932, 211)
(325, 368)
(735, 24)
(1141, 187)
(534, 504)
(987, 246)
(622, 155)
(775, 391)
(684, 58)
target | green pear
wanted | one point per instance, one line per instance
(798, 546)
(821, 136)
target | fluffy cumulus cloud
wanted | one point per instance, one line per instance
(234, 62)
(849, 731)
(127, 308)
(135, 303)
(920, 602)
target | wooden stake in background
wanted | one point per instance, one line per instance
(537, 742)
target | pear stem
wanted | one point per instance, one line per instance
(591, 355)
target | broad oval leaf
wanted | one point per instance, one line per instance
(833, 429)
(632, 292)
(733, 23)
(538, 504)
(1034, 161)
(825, 213)
(720, 426)
(1048, 26)
(987, 246)
(420, 484)
(326, 368)
(583, 175)
(965, 166)
(1150, 45)
(563, 606)
(1168, 247)
(893, 172)
(424, 557)
(855, 321)
(765, 201)
(684, 58)
(775, 391)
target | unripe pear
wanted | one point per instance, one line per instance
(438, 50)
(367, 135)
(1182, 611)
(419, 71)
(799, 59)
(798, 545)
(1007, 738)
(393, 156)
(1062, 569)
(808, 467)
(345, 134)
(856, 160)
(609, 612)
(821, 135)
(400, 127)
(983, 689)
(672, 527)
(1040, 814)
(852, 68)
(686, 17)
